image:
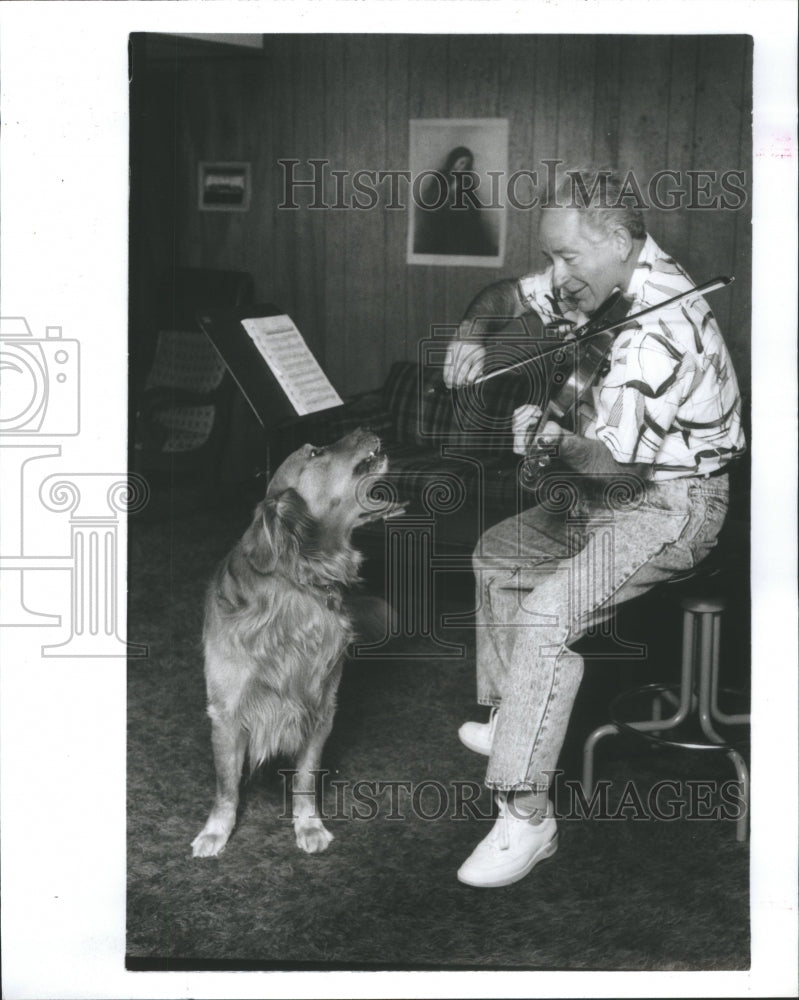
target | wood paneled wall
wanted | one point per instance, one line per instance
(642, 102)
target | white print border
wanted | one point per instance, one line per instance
(69, 902)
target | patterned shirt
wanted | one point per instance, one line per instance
(670, 398)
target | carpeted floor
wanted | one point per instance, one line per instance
(634, 892)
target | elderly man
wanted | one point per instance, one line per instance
(666, 411)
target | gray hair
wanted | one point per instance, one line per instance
(604, 198)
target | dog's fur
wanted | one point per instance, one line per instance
(276, 629)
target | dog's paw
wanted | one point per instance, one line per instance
(312, 837)
(208, 845)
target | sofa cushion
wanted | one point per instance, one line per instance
(421, 414)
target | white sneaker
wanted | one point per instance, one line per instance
(511, 850)
(479, 736)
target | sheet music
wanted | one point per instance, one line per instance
(284, 349)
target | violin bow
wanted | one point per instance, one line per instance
(709, 286)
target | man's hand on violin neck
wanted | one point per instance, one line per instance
(525, 424)
(465, 362)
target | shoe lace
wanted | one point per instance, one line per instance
(500, 834)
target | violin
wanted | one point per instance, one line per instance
(576, 364)
(579, 361)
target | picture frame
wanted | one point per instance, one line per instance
(457, 217)
(224, 186)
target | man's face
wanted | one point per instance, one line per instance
(586, 264)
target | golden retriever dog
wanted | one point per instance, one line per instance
(277, 628)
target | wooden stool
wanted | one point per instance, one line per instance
(696, 713)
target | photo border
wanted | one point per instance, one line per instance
(64, 102)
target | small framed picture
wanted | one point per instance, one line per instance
(224, 187)
(457, 217)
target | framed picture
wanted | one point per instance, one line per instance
(224, 187)
(457, 166)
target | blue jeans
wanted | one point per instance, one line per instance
(543, 578)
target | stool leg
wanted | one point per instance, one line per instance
(687, 675)
(656, 724)
(700, 663)
(740, 719)
(742, 824)
(710, 635)
(588, 754)
(657, 711)
(708, 631)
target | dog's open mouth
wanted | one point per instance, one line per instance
(379, 502)
(375, 461)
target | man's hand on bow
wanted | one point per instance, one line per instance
(465, 361)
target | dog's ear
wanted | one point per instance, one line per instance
(280, 531)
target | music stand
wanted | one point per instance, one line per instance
(249, 369)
